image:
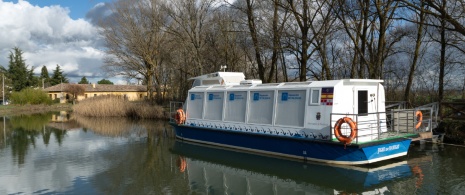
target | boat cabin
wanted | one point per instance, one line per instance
(225, 100)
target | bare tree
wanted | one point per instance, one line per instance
(190, 22)
(75, 90)
(416, 55)
(303, 17)
(134, 36)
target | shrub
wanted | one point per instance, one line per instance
(30, 96)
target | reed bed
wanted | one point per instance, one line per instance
(121, 126)
(113, 106)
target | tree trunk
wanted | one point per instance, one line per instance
(276, 37)
(442, 63)
(254, 35)
(415, 55)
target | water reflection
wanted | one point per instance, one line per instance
(61, 153)
(218, 171)
(112, 156)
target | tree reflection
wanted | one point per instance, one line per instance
(144, 165)
(23, 130)
(20, 141)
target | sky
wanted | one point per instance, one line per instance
(52, 32)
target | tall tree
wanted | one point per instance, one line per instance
(251, 23)
(18, 71)
(135, 39)
(44, 77)
(303, 17)
(83, 81)
(58, 76)
(190, 22)
(416, 54)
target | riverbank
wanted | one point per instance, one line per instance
(8, 110)
(454, 131)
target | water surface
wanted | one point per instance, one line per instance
(63, 154)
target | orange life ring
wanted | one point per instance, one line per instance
(419, 116)
(353, 130)
(182, 164)
(180, 117)
(418, 173)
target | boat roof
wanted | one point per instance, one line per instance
(219, 74)
(233, 80)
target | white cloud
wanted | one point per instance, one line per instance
(48, 36)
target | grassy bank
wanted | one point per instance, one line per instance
(31, 109)
(112, 106)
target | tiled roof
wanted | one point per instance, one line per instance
(99, 88)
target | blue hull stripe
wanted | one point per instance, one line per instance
(298, 148)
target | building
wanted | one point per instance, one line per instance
(129, 92)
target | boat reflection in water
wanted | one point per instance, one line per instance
(218, 171)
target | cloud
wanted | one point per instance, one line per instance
(99, 12)
(48, 36)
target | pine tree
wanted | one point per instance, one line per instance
(44, 77)
(32, 81)
(58, 76)
(18, 71)
(83, 81)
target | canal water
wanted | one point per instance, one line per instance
(57, 153)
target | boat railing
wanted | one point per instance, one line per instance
(174, 105)
(382, 125)
(369, 126)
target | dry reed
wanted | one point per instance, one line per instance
(120, 127)
(113, 106)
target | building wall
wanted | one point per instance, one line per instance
(131, 96)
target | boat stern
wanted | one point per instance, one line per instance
(380, 152)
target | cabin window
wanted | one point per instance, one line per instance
(214, 106)
(261, 107)
(290, 108)
(363, 103)
(236, 103)
(195, 105)
(315, 97)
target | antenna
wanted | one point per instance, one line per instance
(223, 68)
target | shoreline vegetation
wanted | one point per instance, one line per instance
(113, 106)
(14, 109)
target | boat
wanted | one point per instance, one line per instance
(211, 169)
(335, 121)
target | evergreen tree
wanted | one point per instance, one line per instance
(58, 77)
(18, 71)
(104, 81)
(44, 77)
(32, 81)
(83, 81)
